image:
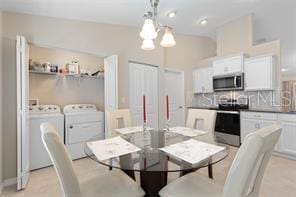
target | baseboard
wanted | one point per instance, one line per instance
(9, 182)
(286, 156)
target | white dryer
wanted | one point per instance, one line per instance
(39, 114)
(82, 123)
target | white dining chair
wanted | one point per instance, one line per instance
(245, 175)
(113, 118)
(112, 184)
(202, 119)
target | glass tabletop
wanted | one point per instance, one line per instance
(151, 158)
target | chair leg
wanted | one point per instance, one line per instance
(210, 171)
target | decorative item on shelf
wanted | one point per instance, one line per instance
(31, 65)
(152, 27)
(36, 66)
(63, 71)
(33, 102)
(54, 68)
(83, 72)
(98, 73)
(73, 68)
(47, 66)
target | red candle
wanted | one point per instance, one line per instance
(167, 108)
(144, 108)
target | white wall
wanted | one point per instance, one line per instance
(92, 38)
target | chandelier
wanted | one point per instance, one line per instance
(151, 28)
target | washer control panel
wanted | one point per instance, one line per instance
(80, 108)
(44, 109)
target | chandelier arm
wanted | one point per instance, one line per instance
(154, 4)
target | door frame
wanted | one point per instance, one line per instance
(129, 85)
(22, 85)
(183, 99)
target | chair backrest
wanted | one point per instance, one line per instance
(204, 119)
(61, 160)
(247, 170)
(113, 119)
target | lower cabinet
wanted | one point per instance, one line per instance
(252, 121)
(251, 125)
(287, 144)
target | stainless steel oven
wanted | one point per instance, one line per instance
(227, 127)
(228, 82)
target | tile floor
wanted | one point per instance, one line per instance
(279, 179)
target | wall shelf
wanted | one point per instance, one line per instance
(66, 75)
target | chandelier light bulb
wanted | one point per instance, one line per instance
(148, 30)
(147, 45)
(168, 38)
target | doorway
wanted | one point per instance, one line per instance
(174, 88)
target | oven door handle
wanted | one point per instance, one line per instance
(228, 112)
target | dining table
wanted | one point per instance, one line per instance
(152, 163)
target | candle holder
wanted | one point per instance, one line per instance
(167, 126)
(145, 136)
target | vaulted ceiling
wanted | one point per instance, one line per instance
(273, 19)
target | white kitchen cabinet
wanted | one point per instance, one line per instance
(253, 121)
(251, 125)
(287, 143)
(260, 73)
(203, 80)
(228, 65)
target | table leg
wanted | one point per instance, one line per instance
(126, 163)
(210, 171)
(153, 182)
(188, 166)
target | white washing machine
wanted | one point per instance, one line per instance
(82, 123)
(39, 114)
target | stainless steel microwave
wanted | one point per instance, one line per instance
(233, 81)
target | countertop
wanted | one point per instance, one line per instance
(246, 110)
(267, 111)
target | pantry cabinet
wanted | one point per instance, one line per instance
(203, 80)
(260, 73)
(228, 65)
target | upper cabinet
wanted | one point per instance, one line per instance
(260, 73)
(228, 65)
(203, 80)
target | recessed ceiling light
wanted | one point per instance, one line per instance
(203, 22)
(172, 14)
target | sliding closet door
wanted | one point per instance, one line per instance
(143, 80)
